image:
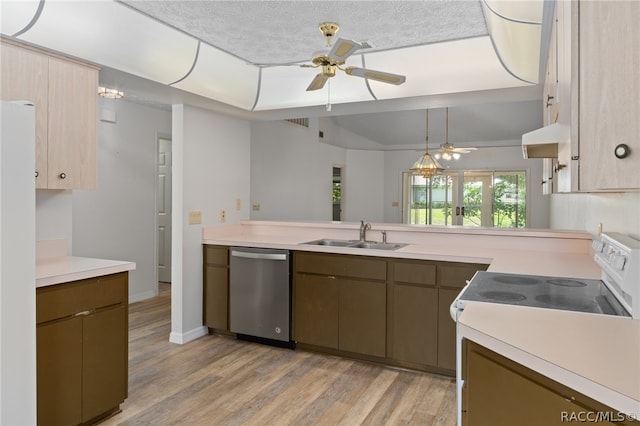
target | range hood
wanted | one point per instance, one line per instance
(542, 143)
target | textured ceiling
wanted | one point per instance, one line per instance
(287, 31)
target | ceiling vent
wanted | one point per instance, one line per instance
(304, 122)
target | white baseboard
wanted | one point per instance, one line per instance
(142, 296)
(182, 338)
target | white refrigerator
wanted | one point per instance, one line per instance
(17, 264)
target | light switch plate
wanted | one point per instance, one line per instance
(195, 217)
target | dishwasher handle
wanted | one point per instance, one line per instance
(262, 256)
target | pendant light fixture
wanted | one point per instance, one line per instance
(427, 166)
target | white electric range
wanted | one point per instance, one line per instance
(616, 293)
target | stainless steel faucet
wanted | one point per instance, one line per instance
(364, 227)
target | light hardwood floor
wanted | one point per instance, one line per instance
(217, 380)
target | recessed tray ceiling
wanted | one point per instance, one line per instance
(211, 48)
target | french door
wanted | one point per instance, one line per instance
(468, 198)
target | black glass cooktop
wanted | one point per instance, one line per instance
(581, 295)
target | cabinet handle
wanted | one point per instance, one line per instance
(331, 277)
(83, 313)
(62, 175)
(549, 103)
(37, 174)
(622, 151)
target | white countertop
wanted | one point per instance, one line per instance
(528, 252)
(61, 269)
(597, 355)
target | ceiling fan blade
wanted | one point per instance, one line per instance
(342, 49)
(384, 77)
(464, 150)
(318, 82)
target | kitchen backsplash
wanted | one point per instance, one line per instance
(617, 212)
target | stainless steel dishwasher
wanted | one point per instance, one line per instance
(259, 294)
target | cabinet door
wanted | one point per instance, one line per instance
(59, 372)
(446, 329)
(363, 313)
(315, 310)
(216, 297)
(24, 77)
(609, 94)
(104, 361)
(415, 321)
(498, 391)
(72, 133)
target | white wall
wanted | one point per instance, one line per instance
(364, 186)
(617, 212)
(211, 170)
(54, 211)
(291, 172)
(503, 158)
(117, 220)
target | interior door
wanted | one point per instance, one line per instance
(164, 210)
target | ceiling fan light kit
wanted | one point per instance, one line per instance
(447, 151)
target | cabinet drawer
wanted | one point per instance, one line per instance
(62, 300)
(414, 272)
(341, 265)
(457, 274)
(216, 255)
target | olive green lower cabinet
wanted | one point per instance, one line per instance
(498, 391)
(216, 288)
(339, 303)
(82, 349)
(394, 311)
(414, 313)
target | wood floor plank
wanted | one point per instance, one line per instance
(218, 380)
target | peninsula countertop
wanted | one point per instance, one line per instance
(569, 347)
(597, 355)
(536, 252)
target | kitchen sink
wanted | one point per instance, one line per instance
(377, 246)
(355, 244)
(330, 242)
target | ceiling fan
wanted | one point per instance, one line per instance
(447, 151)
(334, 57)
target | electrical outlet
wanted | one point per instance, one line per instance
(195, 217)
(238, 204)
(256, 207)
(223, 216)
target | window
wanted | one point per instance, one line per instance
(469, 198)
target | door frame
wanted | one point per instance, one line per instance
(156, 242)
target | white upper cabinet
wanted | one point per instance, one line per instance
(598, 95)
(64, 93)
